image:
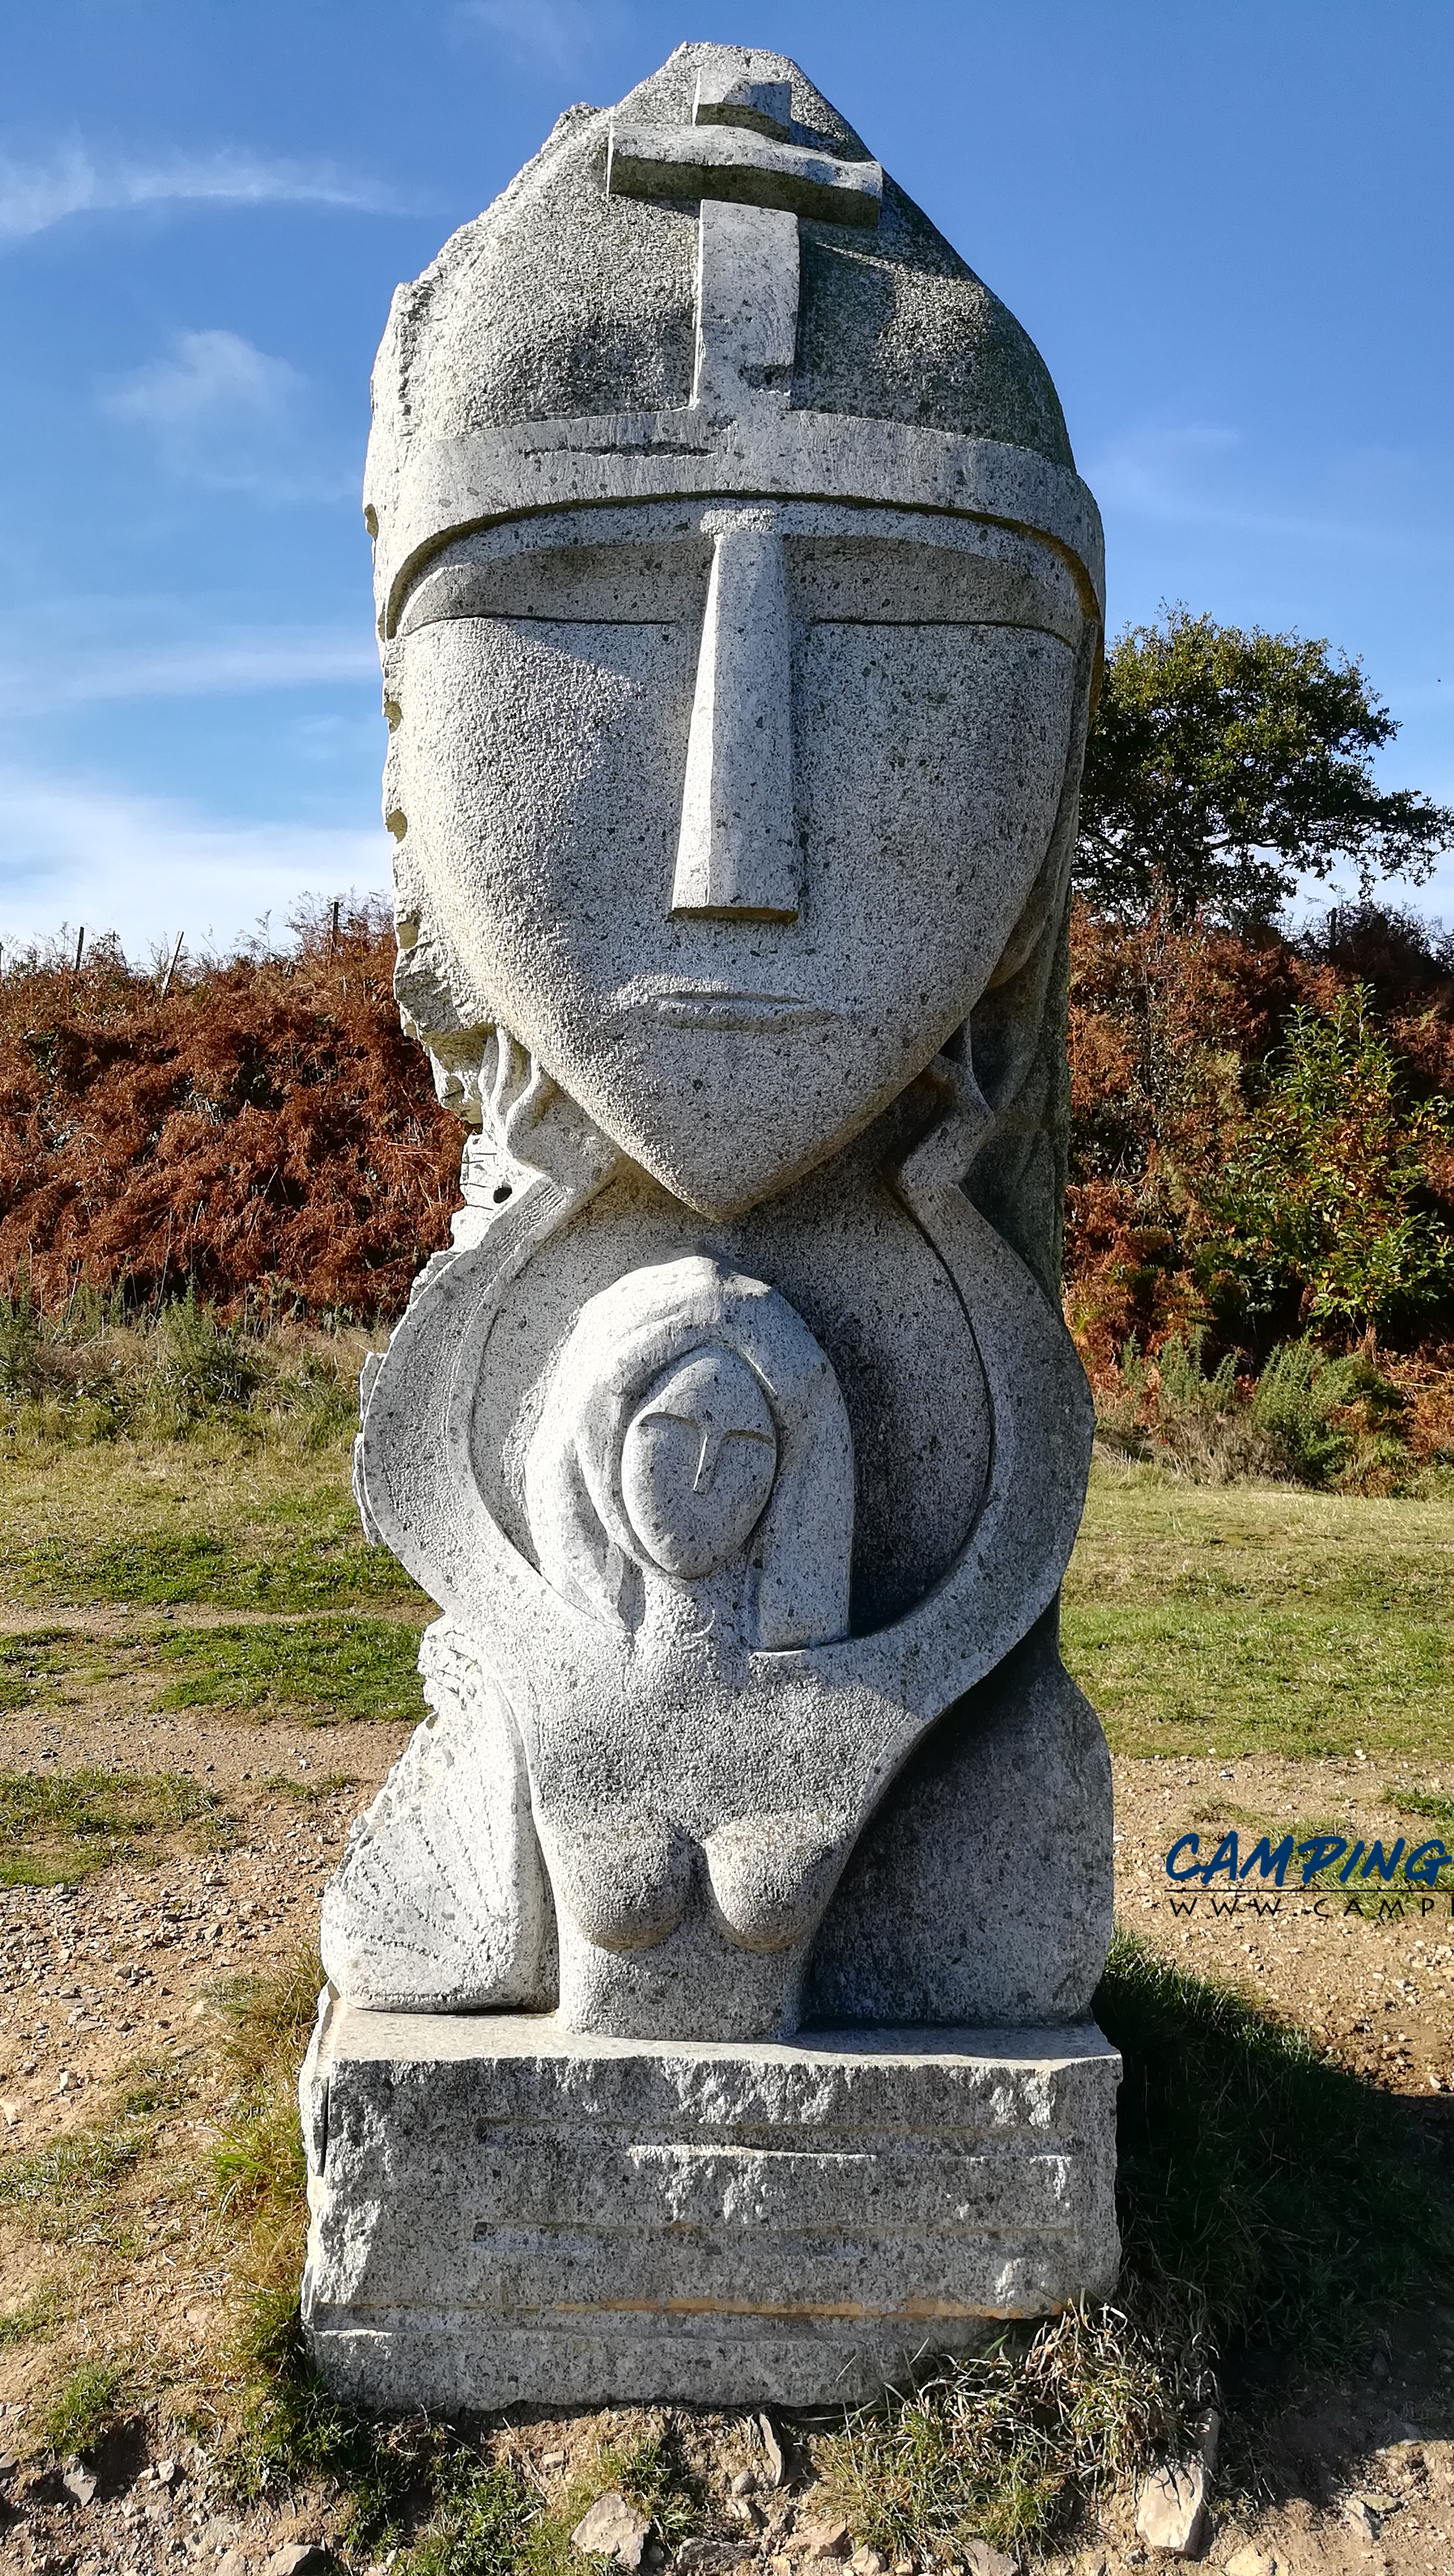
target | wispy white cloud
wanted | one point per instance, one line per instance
(1205, 475)
(1161, 471)
(226, 414)
(559, 33)
(59, 668)
(209, 373)
(34, 195)
(147, 867)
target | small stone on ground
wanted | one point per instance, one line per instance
(825, 2539)
(981, 2560)
(1172, 2511)
(612, 2529)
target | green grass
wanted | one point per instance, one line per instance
(85, 2406)
(327, 1670)
(1423, 1802)
(485, 2519)
(37, 1655)
(310, 1792)
(216, 1520)
(56, 1825)
(1262, 1620)
(1002, 2446)
(65, 2190)
(34, 2319)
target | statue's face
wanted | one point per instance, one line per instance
(698, 1462)
(727, 811)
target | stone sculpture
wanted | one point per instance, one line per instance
(708, 1986)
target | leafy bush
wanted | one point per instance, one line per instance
(1294, 1403)
(198, 1366)
(93, 1372)
(1320, 1206)
(266, 1129)
(1293, 1423)
(1180, 1077)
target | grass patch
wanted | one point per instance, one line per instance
(328, 1670)
(1423, 1802)
(1002, 2446)
(650, 2472)
(34, 2319)
(310, 1792)
(1274, 1621)
(55, 1825)
(1297, 1682)
(93, 1373)
(65, 2190)
(215, 1520)
(445, 2507)
(38, 1655)
(84, 2407)
(157, 2080)
(483, 2519)
(259, 2168)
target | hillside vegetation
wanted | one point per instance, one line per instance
(1260, 1238)
(265, 1131)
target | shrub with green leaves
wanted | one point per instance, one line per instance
(1320, 1208)
(1295, 1422)
(199, 1365)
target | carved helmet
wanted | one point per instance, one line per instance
(588, 337)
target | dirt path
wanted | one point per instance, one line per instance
(115, 1974)
(1369, 1968)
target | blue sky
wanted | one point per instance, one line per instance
(1227, 223)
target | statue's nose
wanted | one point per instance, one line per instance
(738, 852)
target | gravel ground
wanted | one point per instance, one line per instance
(116, 1973)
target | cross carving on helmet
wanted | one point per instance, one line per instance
(752, 182)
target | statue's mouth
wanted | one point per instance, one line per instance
(710, 1007)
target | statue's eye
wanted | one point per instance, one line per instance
(625, 585)
(879, 581)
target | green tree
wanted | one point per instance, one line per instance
(1226, 763)
(1319, 1208)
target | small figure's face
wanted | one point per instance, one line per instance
(728, 811)
(698, 1464)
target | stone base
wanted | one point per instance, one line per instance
(504, 2211)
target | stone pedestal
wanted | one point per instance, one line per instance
(506, 2211)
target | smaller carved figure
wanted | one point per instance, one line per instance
(691, 1475)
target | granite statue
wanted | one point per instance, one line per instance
(695, 2026)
